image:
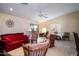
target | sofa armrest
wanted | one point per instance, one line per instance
(25, 37)
(5, 42)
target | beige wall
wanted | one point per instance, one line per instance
(69, 23)
(20, 24)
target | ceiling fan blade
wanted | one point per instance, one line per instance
(40, 15)
(25, 3)
(45, 16)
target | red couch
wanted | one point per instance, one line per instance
(13, 41)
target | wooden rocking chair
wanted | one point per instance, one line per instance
(36, 49)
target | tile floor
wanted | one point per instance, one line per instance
(63, 48)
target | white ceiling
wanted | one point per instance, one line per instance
(31, 10)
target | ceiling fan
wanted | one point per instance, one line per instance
(24, 3)
(41, 14)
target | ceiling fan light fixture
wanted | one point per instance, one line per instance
(43, 15)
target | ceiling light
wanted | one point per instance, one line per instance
(11, 9)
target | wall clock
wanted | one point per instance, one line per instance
(10, 23)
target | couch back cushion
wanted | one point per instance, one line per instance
(15, 37)
(9, 38)
(21, 36)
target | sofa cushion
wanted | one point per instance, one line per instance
(10, 38)
(16, 42)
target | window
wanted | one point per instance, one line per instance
(34, 27)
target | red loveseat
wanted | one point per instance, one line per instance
(13, 41)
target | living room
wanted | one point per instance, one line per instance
(18, 18)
